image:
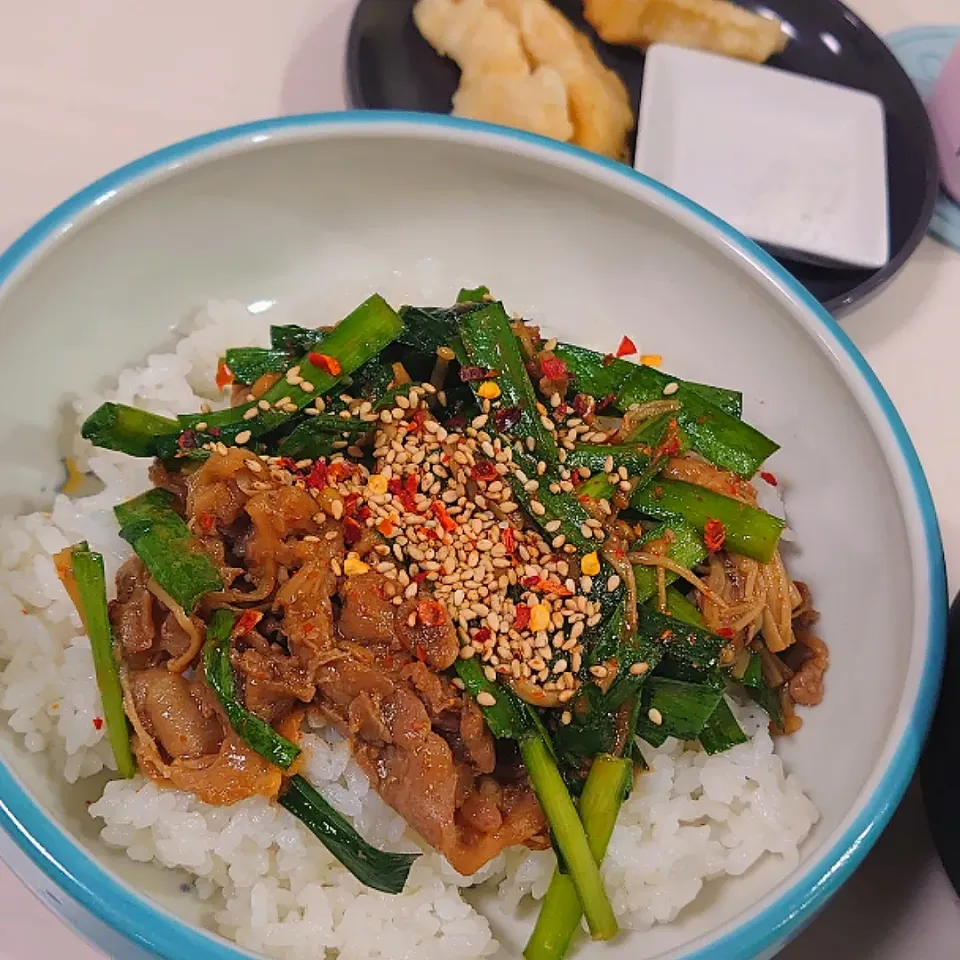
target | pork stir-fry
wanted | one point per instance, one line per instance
(336, 645)
(493, 563)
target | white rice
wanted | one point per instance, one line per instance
(274, 888)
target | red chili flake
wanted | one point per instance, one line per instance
(187, 440)
(522, 619)
(726, 633)
(554, 588)
(224, 375)
(584, 498)
(714, 533)
(430, 533)
(561, 411)
(386, 527)
(626, 348)
(416, 421)
(207, 522)
(394, 486)
(340, 470)
(286, 463)
(456, 423)
(508, 540)
(248, 620)
(419, 577)
(323, 361)
(669, 448)
(317, 479)
(446, 521)
(352, 531)
(430, 613)
(482, 635)
(605, 402)
(530, 582)
(658, 493)
(98, 723)
(421, 653)
(583, 404)
(364, 513)
(666, 635)
(768, 478)
(407, 493)
(470, 374)
(485, 471)
(607, 360)
(350, 504)
(553, 368)
(507, 418)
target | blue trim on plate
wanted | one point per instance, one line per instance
(68, 865)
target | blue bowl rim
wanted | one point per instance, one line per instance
(151, 926)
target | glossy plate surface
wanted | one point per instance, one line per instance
(391, 67)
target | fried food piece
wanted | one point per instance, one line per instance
(713, 25)
(477, 37)
(599, 103)
(524, 65)
(536, 102)
(497, 82)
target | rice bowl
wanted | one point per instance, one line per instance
(244, 899)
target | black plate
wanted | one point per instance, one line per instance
(940, 764)
(391, 67)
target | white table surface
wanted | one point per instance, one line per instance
(86, 86)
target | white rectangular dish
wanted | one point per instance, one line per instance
(796, 164)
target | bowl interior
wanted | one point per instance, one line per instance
(316, 219)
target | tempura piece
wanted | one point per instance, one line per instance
(536, 101)
(477, 37)
(713, 25)
(524, 65)
(497, 82)
(599, 103)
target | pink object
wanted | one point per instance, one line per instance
(944, 109)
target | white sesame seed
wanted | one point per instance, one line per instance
(243, 436)
(670, 389)
(656, 717)
(613, 583)
(639, 669)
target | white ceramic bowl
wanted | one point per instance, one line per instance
(314, 213)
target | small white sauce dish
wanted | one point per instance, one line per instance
(797, 164)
